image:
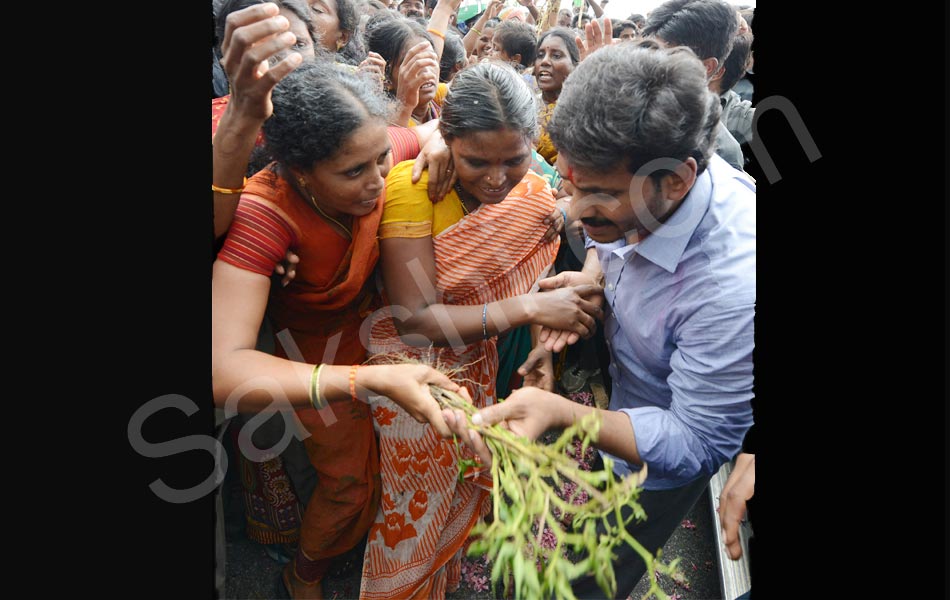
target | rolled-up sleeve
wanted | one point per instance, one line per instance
(711, 384)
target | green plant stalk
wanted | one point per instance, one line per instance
(522, 500)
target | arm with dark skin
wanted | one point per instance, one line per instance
(529, 4)
(591, 274)
(408, 266)
(471, 36)
(598, 10)
(439, 21)
(238, 300)
(531, 411)
(251, 37)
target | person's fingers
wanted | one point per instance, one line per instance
(530, 364)
(455, 428)
(440, 379)
(419, 166)
(436, 175)
(558, 342)
(586, 290)
(561, 340)
(495, 413)
(583, 323)
(544, 334)
(730, 530)
(261, 55)
(463, 392)
(242, 40)
(279, 269)
(446, 186)
(433, 415)
(248, 16)
(591, 308)
(590, 334)
(255, 62)
(421, 51)
(292, 258)
(481, 449)
(734, 550)
(552, 283)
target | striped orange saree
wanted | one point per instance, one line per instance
(425, 515)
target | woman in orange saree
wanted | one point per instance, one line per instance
(322, 198)
(457, 273)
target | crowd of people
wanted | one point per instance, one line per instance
(402, 199)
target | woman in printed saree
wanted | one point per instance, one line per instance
(457, 273)
(322, 197)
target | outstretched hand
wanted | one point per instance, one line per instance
(555, 222)
(527, 412)
(438, 158)
(255, 37)
(408, 386)
(595, 37)
(732, 502)
(554, 337)
(538, 369)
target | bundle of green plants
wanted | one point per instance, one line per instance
(526, 476)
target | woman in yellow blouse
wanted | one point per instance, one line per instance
(557, 57)
(457, 273)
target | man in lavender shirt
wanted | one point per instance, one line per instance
(670, 232)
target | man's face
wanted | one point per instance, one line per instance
(412, 8)
(614, 204)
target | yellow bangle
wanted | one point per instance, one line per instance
(477, 32)
(315, 400)
(438, 33)
(222, 190)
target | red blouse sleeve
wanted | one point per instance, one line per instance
(404, 143)
(258, 239)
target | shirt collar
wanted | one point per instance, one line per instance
(665, 246)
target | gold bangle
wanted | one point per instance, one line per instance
(353, 382)
(477, 32)
(315, 400)
(222, 190)
(438, 33)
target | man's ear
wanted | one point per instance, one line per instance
(679, 182)
(712, 68)
(516, 58)
(344, 39)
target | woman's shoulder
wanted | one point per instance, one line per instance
(400, 177)
(406, 200)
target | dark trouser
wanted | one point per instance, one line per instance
(665, 510)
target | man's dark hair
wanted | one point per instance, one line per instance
(707, 27)
(651, 104)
